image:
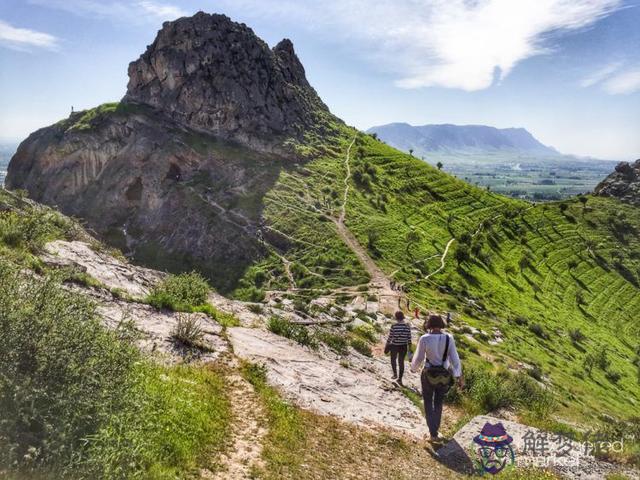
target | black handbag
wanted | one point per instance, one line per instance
(439, 376)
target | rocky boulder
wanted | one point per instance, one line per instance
(216, 75)
(623, 183)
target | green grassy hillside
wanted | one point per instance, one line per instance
(552, 289)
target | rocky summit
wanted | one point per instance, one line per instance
(216, 75)
(175, 173)
(623, 183)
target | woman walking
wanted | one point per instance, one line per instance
(398, 344)
(436, 354)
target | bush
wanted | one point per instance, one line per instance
(366, 332)
(61, 372)
(538, 330)
(180, 293)
(78, 400)
(576, 335)
(487, 391)
(293, 331)
(612, 376)
(188, 331)
(336, 342)
(361, 346)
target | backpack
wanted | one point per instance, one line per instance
(438, 376)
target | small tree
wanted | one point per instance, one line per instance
(583, 200)
(462, 254)
(563, 207)
(372, 238)
(439, 165)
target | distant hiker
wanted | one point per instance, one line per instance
(436, 354)
(398, 343)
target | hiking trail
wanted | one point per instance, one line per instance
(244, 456)
(380, 284)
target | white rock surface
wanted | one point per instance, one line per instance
(323, 385)
(549, 450)
(110, 271)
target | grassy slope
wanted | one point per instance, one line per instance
(566, 288)
(571, 281)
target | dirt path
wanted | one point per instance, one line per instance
(347, 177)
(442, 260)
(243, 458)
(379, 284)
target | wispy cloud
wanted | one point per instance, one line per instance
(24, 38)
(600, 74)
(623, 83)
(134, 11)
(615, 79)
(464, 44)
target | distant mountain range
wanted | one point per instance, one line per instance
(461, 139)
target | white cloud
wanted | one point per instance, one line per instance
(624, 82)
(133, 11)
(161, 11)
(464, 44)
(24, 38)
(614, 79)
(600, 74)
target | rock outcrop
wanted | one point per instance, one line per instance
(175, 174)
(623, 183)
(216, 75)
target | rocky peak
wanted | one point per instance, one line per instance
(214, 74)
(623, 183)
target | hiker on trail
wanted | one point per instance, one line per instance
(436, 354)
(398, 344)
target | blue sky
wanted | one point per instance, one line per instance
(567, 70)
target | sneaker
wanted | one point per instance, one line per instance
(394, 377)
(399, 382)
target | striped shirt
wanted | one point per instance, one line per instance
(400, 334)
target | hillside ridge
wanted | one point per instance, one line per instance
(451, 138)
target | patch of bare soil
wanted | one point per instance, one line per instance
(248, 431)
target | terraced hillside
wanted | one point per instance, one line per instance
(550, 288)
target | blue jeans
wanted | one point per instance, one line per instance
(433, 398)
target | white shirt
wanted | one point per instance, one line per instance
(431, 347)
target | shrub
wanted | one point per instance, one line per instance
(256, 308)
(188, 331)
(361, 346)
(250, 294)
(538, 330)
(613, 376)
(576, 335)
(366, 332)
(487, 391)
(78, 400)
(293, 331)
(336, 342)
(180, 292)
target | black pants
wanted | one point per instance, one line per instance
(398, 354)
(433, 398)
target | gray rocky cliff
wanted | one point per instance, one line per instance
(623, 183)
(216, 75)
